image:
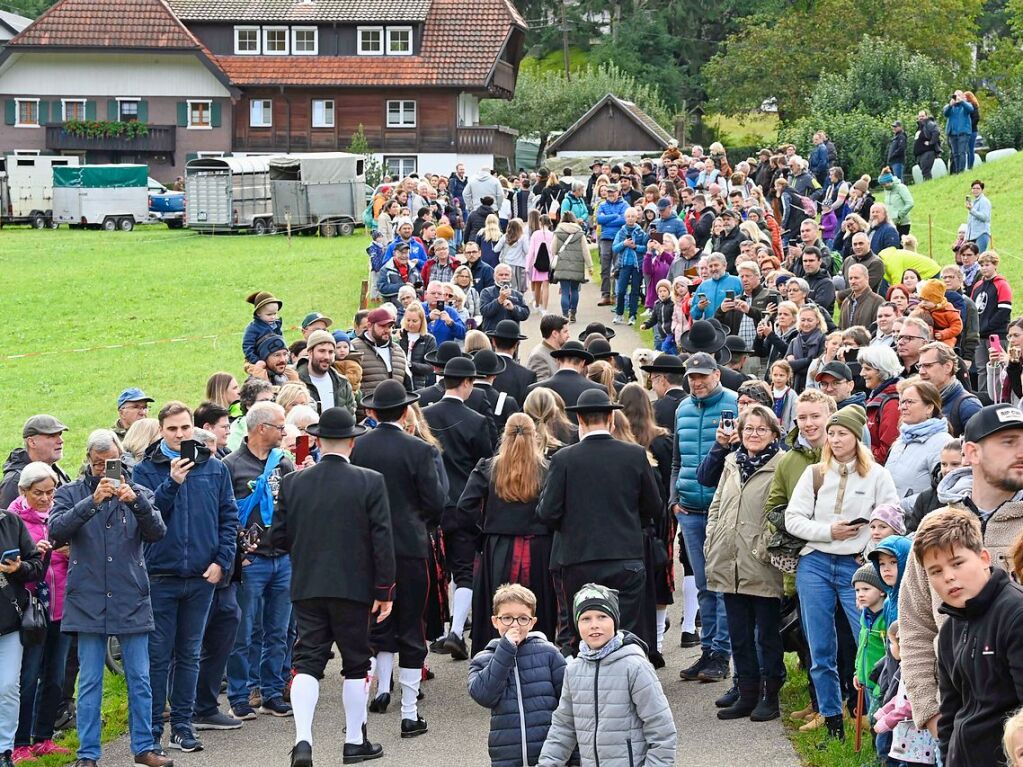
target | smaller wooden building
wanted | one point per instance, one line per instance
(611, 126)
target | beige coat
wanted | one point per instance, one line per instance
(736, 543)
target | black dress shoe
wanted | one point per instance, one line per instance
(380, 703)
(302, 755)
(689, 639)
(656, 659)
(456, 646)
(361, 752)
(410, 728)
(438, 647)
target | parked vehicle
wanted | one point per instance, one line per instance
(108, 196)
(166, 205)
(228, 194)
(26, 188)
(324, 191)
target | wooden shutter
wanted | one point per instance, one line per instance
(10, 112)
(143, 111)
(113, 113)
(182, 114)
(90, 110)
(44, 112)
(215, 114)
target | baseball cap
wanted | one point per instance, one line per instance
(401, 246)
(664, 203)
(133, 394)
(312, 317)
(380, 317)
(987, 421)
(701, 363)
(897, 124)
(836, 369)
(42, 424)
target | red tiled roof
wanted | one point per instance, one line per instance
(341, 11)
(461, 43)
(107, 24)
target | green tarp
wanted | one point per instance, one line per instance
(101, 176)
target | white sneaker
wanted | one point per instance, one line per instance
(618, 319)
(632, 320)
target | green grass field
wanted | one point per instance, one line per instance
(114, 716)
(756, 128)
(95, 311)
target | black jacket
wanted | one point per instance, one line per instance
(762, 297)
(822, 290)
(928, 138)
(477, 402)
(665, 407)
(422, 372)
(14, 535)
(501, 409)
(465, 440)
(897, 149)
(493, 514)
(476, 220)
(925, 503)
(702, 227)
(16, 461)
(728, 245)
(569, 385)
(515, 380)
(980, 673)
(599, 496)
(341, 550)
(416, 497)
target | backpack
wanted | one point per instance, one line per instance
(367, 219)
(955, 420)
(832, 153)
(542, 262)
(782, 546)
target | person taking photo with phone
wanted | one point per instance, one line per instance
(193, 493)
(826, 509)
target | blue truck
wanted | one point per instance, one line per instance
(166, 205)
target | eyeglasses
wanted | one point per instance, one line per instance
(909, 338)
(280, 428)
(927, 365)
(908, 402)
(760, 431)
(508, 620)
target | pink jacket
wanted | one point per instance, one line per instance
(541, 235)
(56, 573)
(655, 269)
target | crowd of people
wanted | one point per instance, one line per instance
(824, 402)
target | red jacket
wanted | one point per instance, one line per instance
(883, 421)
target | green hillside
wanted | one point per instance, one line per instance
(942, 204)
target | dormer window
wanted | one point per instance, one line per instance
(275, 41)
(303, 41)
(246, 41)
(399, 41)
(371, 41)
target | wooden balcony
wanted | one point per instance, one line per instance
(161, 138)
(488, 139)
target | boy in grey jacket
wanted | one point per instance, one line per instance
(633, 725)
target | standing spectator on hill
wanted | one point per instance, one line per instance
(629, 247)
(959, 128)
(703, 220)
(927, 143)
(326, 386)
(715, 289)
(897, 200)
(895, 157)
(43, 437)
(993, 296)
(978, 217)
(457, 183)
(818, 164)
(197, 503)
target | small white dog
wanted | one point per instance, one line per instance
(640, 357)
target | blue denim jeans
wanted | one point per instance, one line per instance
(42, 686)
(217, 643)
(714, 629)
(92, 654)
(824, 581)
(10, 679)
(971, 152)
(180, 609)
(265, 591)
(897, 170)
(983, 241)
(569, 296)
(629, 278)
(960, 148)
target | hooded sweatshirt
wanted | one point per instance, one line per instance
(918, 604)
(899, 546)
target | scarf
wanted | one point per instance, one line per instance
(748, 464)
(165, 449)
(594, 655)
(918, 432)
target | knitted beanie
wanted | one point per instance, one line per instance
(593, 596)
(933, 291)
(868, 574)
(891, 515)
(852, 417)
(445, 232)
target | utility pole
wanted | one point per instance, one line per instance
(564, 40)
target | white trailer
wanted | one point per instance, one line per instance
(228, 194)
(26, 188)
(109, 196)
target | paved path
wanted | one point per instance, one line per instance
(459, 727)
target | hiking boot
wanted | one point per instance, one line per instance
(689, 639)
(692, 673)
(749, 693)
(803, 714)
(380, 703)
(275, 707)
(836, 726)
(361, 752)
(716, 669)
(243, 712)
(255, 697)
(768, 707)
(410, 728)
(216, 721)
(302, 754)
(152, 759)
(815, 722)
(455, 645)
(571, 316)
(730, 697)
(184, 739)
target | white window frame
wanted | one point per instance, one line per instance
(287, 41)
(333, 113)
(403, 121)
(411, 41)
(383, 42)
(406, 164)
(268, 114)
(259, 41)
(120, 103)
(63, 108)
(17, 113)
(316, 41)
(209, 114)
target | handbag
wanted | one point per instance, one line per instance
(34, 618)
(782, 546)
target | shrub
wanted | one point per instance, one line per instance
(1004, 127)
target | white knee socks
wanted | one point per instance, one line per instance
(384, 668)
(409, 679)
(305, 692)
(662, 614)
(691, 605)
(354, 695)
(460, 612)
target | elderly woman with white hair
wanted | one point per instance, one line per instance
(107, 520)
(42, 665)
(881, 368)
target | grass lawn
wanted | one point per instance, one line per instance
(756, 128)
(74, 294)
(115, 721)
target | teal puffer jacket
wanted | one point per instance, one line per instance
(696, 422)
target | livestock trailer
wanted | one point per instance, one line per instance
(228, 194)
(108, 196)
(318, 190)
(26, 187)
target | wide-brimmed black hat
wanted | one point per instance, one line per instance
(573, 349)
(600, 349)
(460, 367)
(704, 336)
(488, 363)
(593, 401)
(507, 330)
(443, 354)
(736, 346)
(665, 363)
(336, 423)
(389, 394)
(597, 327)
